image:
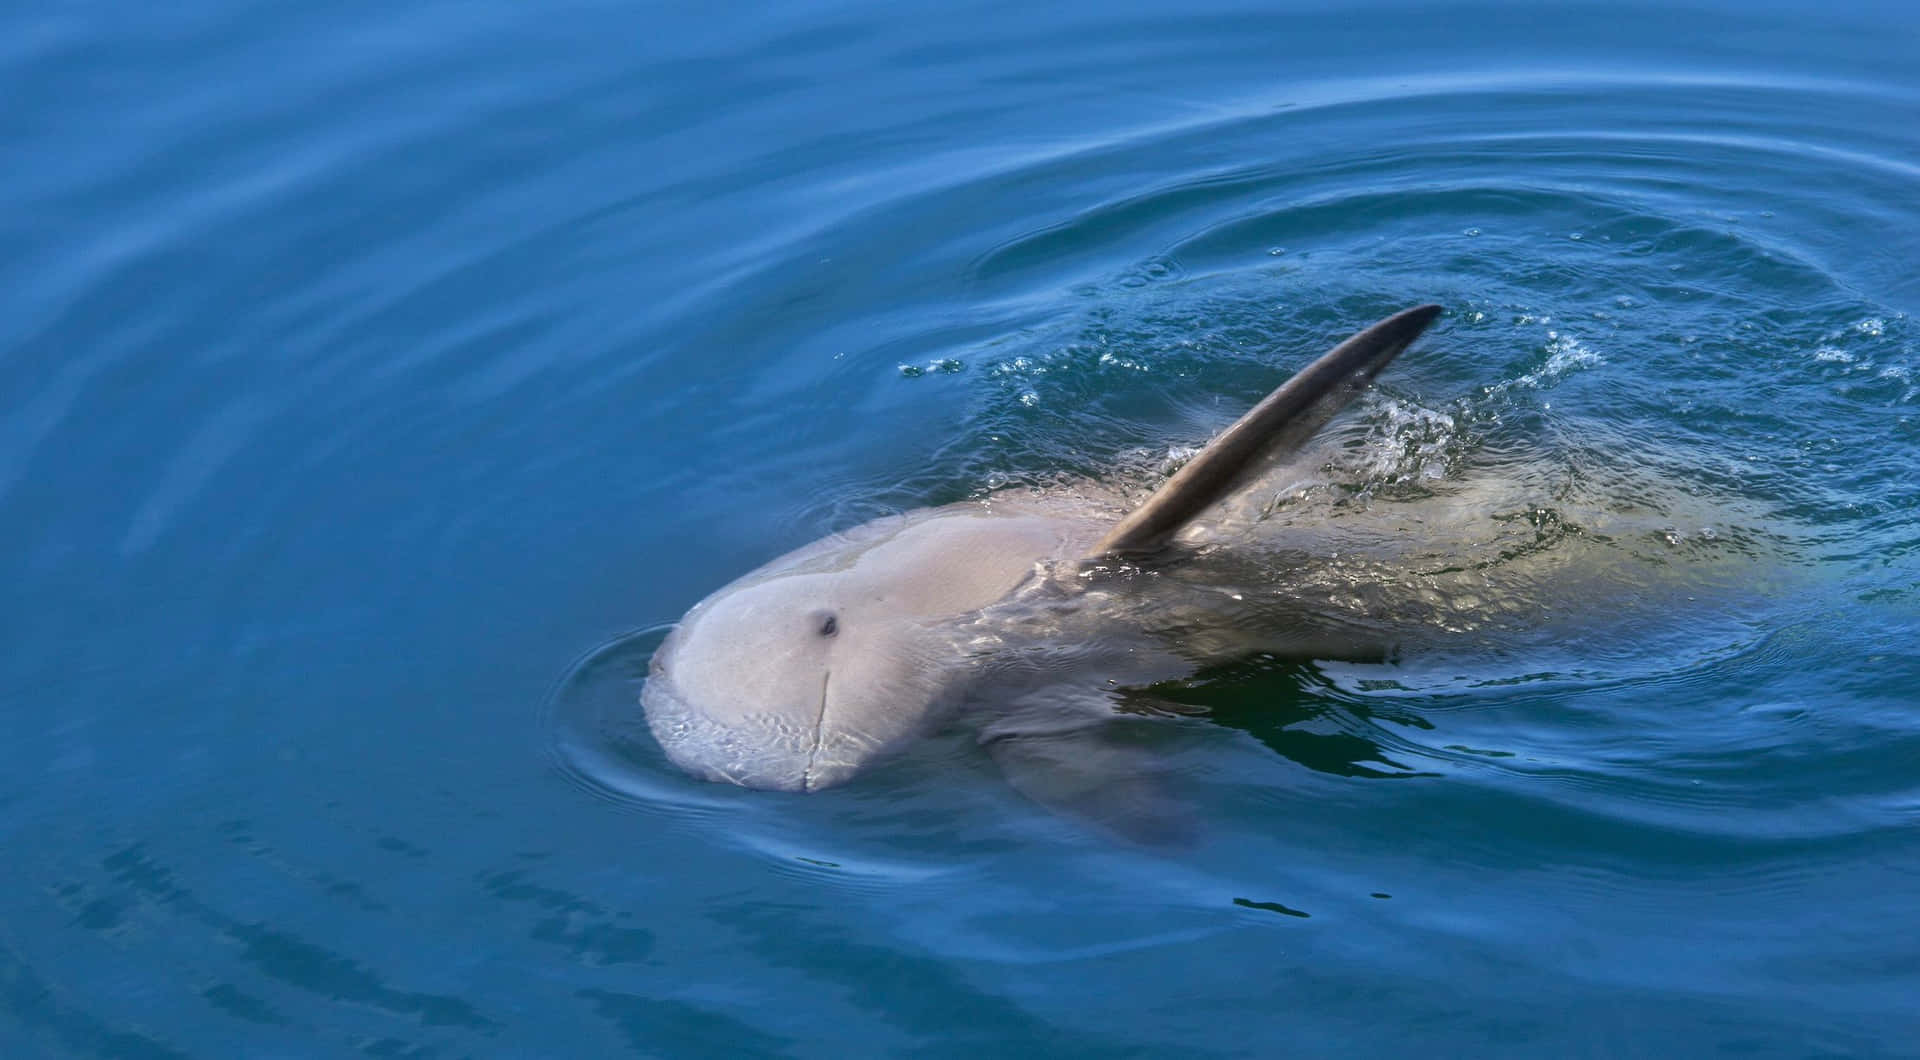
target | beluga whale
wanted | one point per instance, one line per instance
(1032, 618)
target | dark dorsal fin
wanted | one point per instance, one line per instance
(1281, 422)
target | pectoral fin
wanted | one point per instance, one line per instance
(1280, 423)
(1092, 775)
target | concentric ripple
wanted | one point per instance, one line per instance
(364, 364)
(1667, 315)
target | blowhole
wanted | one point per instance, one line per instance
(829, 624)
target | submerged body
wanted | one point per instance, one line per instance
(1040, 617)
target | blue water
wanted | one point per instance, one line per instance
(380, 379)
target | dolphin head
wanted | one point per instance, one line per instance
(801, 673)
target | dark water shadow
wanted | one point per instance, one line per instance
(1293, 710)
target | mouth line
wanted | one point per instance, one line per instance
(819, 733)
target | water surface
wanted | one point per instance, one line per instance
(380, 380)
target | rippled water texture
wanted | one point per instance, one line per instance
(381, 380)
